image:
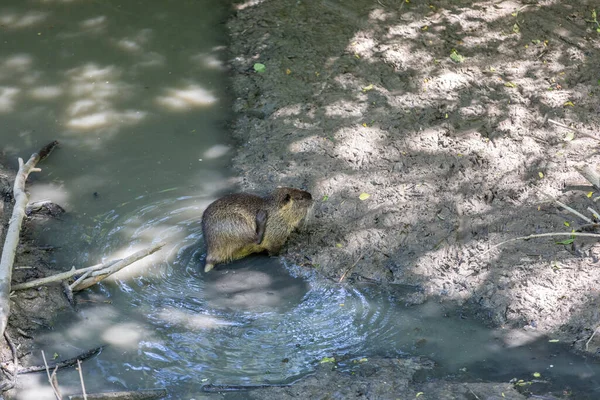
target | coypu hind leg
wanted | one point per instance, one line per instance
(261, 225)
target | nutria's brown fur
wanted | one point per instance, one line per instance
(240, 224)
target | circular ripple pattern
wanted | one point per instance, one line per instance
(252, 321)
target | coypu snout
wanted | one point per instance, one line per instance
(237, 225)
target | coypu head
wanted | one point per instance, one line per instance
(293, 204)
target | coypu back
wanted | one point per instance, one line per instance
(240, 224)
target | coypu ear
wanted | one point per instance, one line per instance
(285, 201)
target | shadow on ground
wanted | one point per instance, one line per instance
(440, 112)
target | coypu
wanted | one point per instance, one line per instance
(240, 224)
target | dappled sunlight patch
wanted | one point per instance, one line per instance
(242, 281)
(185, 99)
(96, 24)
(345, 109)
(451, 81)
(8, 97)
(519, 337)
(141, 267)
(46, 92)
(289, 111)
(309, 144)
(92, 73)
(55, 192)
(18, 62)
(216, 151)
(247, 3)
(208, 61)
(135, 44)
(124, 335)
(12, 20)
(191, 320)
(34, 387)
(105, 119)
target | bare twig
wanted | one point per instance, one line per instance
(51, 378)
(351, 268)
(573, 129)
(590, 175)
(68, 293)
(81, 379)
(97, 276)
(539, 235)
(473, 393)
(147, 394)
(595, 213)
(11, 241)
(569, 209)
(591, 337)
(574, 212)
(98, 271)
(13, 349)
(62, 364)
(62, 276)
(81, 279)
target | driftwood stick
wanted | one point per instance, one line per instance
(591, 337)
(590, 175)
(62, 276)
(350, 268)
(539, 235)
(148, 394)
(11, 242)
(574, 212)
(81, 279)
(97, 276)
(569, 209)
(15, 364)
(61, 364)
(577, 131)
(81, 379)
(52, 378)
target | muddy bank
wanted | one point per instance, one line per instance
(378, 378)
(33, 309)
(439, 112)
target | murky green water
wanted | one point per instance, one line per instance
(135, 93)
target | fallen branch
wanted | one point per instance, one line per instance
(52, 378)
(577, 131)
(98, 270)
(14, 229)
(81, 379)
(97, 276)
(351, 268)
(61, 364)
(15, 365)
(539, 235)
(62, 276)
(590, 175)
(147, 394)
(590, 339)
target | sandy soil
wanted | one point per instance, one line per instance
(439, 111)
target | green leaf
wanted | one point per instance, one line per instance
(325, 198)
(457, 58)
(364, 196)
(260, 68)
(327, 360)
(570, 136)
(567, 241)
